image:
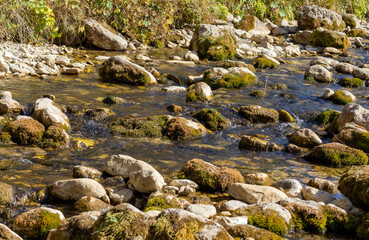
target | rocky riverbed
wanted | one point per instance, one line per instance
(240, 129)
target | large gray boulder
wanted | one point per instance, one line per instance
(311, 17)
(103, 38)
(319, 73)
(305, 138)
(353, 112)
(48, 113)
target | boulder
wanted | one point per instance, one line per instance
(311, 17)
(291, 187)
(255, 194)
(314, 194)
(80, 171)
(228, 222)
(351, 20)
(199, 92)
(343, 203)
(327, 38)
(319, 73)
(256, 114)
(7, 234)
(232, 205)
(211, 119)
(343, 97)
(146, 181)
(256, 144)
(36, 223)
(323, 184)
(210, 177)
(253, 25)
(353, 136)
(303, 37)
(243, 231)
(345, 68)
(179, 128)
(204, 210)
(354, 184)
(233, 77)
(118, 196)
(48, 113)
(87, 203)
(25, 131)
(75, 189)
(305, 138)
(7, 193)
(353, 112)
(362, 73)
(103, 38)
(118, 69)
(8, 105)
(324, 61)
(337, 154)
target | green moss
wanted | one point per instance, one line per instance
(174, 108)
(340, 98)
(309, 79)
(285, 116)
(131, 126)
(351, 82)
(211, 119)
(221, 48)
(328, 38)
(25, 131)
(48, 221)
(341, 222)
(357, 32)
(5, 137)
(193, 96)
(258, 93)
(327, 117)
(309, 222)
(263, 62)
(229, 80)
(248, 231)
(158, 203)
(362, 232)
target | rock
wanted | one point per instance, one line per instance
(118, 69)
(303, 37)
(48, 113)
(305, 138)
(325, 62)
(362, 73)
(279, 31)
(183, 183)
(36, 223)
(327, 38)
(353, 136)
(351, 20)
(114, 100)
(7, 193)
(357, 32)
(4, 94)
(162, 201)
(4, 67)
(255, 194)
(358, 42)
(86, 204)
(212, 119)
(175, 89)
(319, 73)
(142, 176)
(80, 171)
(103, 38)
(328, 93)
(253, 25)
(210, 177)
(354, 185)
(353, 113)
(293, 50)
(71, 71)
(98, 114)
(232, 205)
(7, 234)
(234, 77)
(62, 60)
(343, 97)
(343, 203)
(206, 211)
(8, 105)
(345, 68)
(25, 131)
(317, 195)
(337, 154)
(191, 56)
(285, 116)
(323, 184)
(294, 149)
(75, 189)
(311, 17)
(256, 144)
(265, 62)
(257, 178)
(249, 232)
(228, 222)
(291, 187)
(118, 196)
(179, 128)
(199, 92)
(256, 114)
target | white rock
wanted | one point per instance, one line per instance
(305, 138)
(4, 67)
(232, 205)
(183, 183)
(310, 193)
(62, 60)
(328, 93)
(175, 89)
(191, 56)
(147, 181)
(291, 187)
(362, 73)
(353, 112)
(203, 210)
(284, 213)
(47, 112)
(319, 73)
(293, 50)
(118, 196)
(228, 222)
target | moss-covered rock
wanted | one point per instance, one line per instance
(239, 64)
(131, 126)
(179, 128)
(157, 43)
(342, 97)
(257, 144)
(211, 119)
(159, 203)
(357, 32)
(351, 20)
(121, 222)
(336, 154)
(263, 62)
(210, 177)
(354, 137)
(351, 82)
(327, 117)
(327, 38)
(247, 231)
(362, 232)
(6, 193)
(285, 116)
(256, 114)
(54, 137)
(229, 78)
(25, 131)
(339, 221)
(119, 70)
(258, 93)
(199, 92)
(217, 48)
(279, 86)
(354, 184)
(174, 108)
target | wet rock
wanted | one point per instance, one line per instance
(343, 97)
(206, 211)
(351, 20)
(362, 73)
(253, 25)
(75, 189)
(103, 38)
(285, 116)
(255, 194)
(351, 82)
(294, 149)
(303, 37)
(354, 184)
(6, 193)
(323, 184)
(210, 177)
(328, 94)
(174, 108)
(353, 136)
(305, 138)
(98, 114)
(232, 205)
(179, 128)
(87, 203)
(256, 144)
(256, 114)
(48, 113)
(327, 38)
(251, 232)
(8, 105)
(234, 77)
(345, 68)
(142, 176)
(25, 131)
(310, 193)
(257, 178)
(114, 100)
(291, 187)
(7, 234)
(265, 62)
(175, 89)
(353, 113)
(337, 154)
(118, 196)
(80, 171)
(36, 223)
(199, 92)
(311, 17)
(319, 73)
(212, 119)
(118, 69)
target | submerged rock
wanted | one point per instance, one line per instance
(234, 77)
(256, 144)
(179, 128)
(256, 114)
(211, 119)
